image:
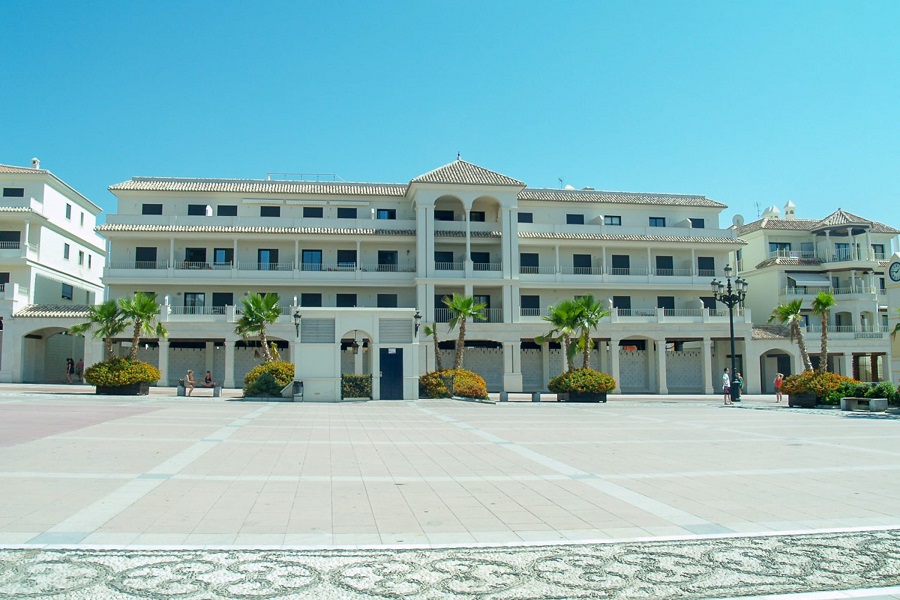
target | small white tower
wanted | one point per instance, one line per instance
(771, 212)
(790, 211)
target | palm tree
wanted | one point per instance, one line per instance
(462, 308)
(260, 311)
(896, 327)
(107, 319)
(142, 310)
(789, 314)
(564, 319)
(822, 306)
(589, 316)
(432, 331)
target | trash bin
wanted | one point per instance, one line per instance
(735, 392)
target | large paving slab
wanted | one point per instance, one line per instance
(633, 477)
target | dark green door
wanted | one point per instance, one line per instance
(391, 373)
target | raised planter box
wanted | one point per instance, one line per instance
(805, 400)
(134, 389)
(869, 404)
(579, 397)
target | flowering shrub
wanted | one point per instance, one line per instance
(465, 383)
(822, 385)
(121, 371)
(282, 373)
(356, 386)
(858, 389)
(582, 381)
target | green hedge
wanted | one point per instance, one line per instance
(279, 373)
(582, 381)
(356, 386)
(822, 385)
(465, 384)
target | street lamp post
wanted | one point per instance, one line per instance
(730, 297)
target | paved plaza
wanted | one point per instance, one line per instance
(656, 497)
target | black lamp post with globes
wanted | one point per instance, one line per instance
(731, 295)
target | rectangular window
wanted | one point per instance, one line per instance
(151, 209)
(581, 264)
(223, 258)
(443, 259)
(196, 210)
(780, 248)
(346, 301)
(481, 260)
(387, 300)
(665, 265)
(530, 306)
(878, 249)
(666, 302)
(443, 215)
(623, 302)
(346, 213)
(387, 260)
(311, 300)
(313, 212)
(312, 260)
(476, 216)
(66, 251)
(657, 221)
(709, 302)
(621, 264)
(194, 303)
(220, 300)
(706, 266)
(270, 211)
(13, 192)
(145, 257)
(529, 262)
(612, 220)
(574, 219)
(195, 258)
(526, 217)
(267, 259)
(69, 211)
(389, 214)
(226, 210)
(4, 278)
(81, 257)
(67, 291)
(346, 259)
(842, 251)
(698, 223)
(89, 261)
(82, 219)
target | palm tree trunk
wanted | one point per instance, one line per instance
(135, 340)
(585, 340)
(264, 341)
(437, 352)
(460, 344)
(804, 355)
(823, 357)
(109, 350)
(570, 365)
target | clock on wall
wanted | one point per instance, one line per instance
(894, 271)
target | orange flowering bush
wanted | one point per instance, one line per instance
(121, 371)
(465, 383)
(582, 381)
(819, 384)
(282, 374)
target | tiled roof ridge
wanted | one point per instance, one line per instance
(463, 172)
(54, 310)
(617, 192)
(108, 227)
(632, 238)
(249, 180)
(22, 170)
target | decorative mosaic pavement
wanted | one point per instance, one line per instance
(697, 568)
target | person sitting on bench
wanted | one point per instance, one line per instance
(208, 381)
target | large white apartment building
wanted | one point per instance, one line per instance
(51, 261)
(358, 260)
(794, 258)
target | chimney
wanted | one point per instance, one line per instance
(35, 163)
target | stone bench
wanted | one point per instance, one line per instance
(216, 390)
(870, 404)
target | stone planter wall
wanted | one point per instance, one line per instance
(804, 400)
(581, 397)
(134, 389)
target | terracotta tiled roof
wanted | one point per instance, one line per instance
(632, 238)
(259, 186)
(462, 172)
(474, 234)
(790, 261)
(18, 209)
(814, 224)
(770, 332)
(21, 170)
(55, 310)
(552, 195)
(117, 227)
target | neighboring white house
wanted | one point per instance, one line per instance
(787, 258)
(358, 260)
(51, 261)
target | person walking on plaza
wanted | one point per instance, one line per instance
(726, 387)
(778, 380)
(70, 369)
(79, 369)
(189, 382)
(739, 382)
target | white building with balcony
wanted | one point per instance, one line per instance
(844, 254)
(358, 260)
(51, 261)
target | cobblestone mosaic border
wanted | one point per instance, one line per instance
(696, 568)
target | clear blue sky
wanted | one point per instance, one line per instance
(745, 102)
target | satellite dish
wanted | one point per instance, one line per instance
(738, 221)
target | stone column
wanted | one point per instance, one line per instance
(163, 362)
(707, 366)
(614, 362)
(512, 367)
(661, 366)
(229, 363)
